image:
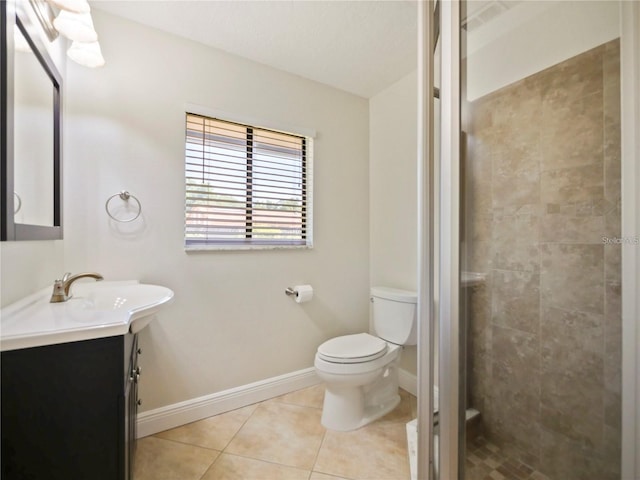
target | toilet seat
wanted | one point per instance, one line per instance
(357, 348)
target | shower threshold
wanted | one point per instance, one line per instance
(412, 440)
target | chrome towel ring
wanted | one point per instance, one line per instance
(124, 196)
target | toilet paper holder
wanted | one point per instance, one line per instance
(300, 293)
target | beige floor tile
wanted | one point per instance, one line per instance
(214, 432)
(307, 397)
(375, 452)
(231, 467)
(322, 476)
(280, 433)
(158, 459)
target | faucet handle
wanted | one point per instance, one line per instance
(64, 278)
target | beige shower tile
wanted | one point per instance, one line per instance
(613, 411)
(572, 135)
(306, 397)
(516, 300)
(515, 368)
(573, 342)
(611, 64)
(515, 241)
(613, 263)
(375, 452)
(231, 467)
(516, 165)
(572, 380)
(213, 432)
(613, 317)
(572, 228)
(612, 146)
(571, 276)
(568, 459)
(159, 459)
(280, 433)
(570, 185)
(613, 452)
(480, 254)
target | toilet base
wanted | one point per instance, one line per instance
(348, 407)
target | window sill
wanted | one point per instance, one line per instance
(228, 248)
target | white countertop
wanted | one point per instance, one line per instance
(96, 310)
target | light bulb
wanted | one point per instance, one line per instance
(86, 54)
(75, 6)
(76, 26)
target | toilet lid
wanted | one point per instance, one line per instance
(357, 348)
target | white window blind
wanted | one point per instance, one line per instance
(245, 186)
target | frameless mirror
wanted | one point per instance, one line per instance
(31, 84)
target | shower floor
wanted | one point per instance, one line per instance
(485, 461)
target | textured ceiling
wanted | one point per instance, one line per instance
(361, 47)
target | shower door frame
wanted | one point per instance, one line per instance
(630, 159)
(444, 280)
(426, 248)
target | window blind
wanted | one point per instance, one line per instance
(244, 185)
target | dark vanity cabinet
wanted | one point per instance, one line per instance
(69, 410)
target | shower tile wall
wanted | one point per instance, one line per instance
(542, 190)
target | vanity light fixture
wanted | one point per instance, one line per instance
(75, 6)
(74, 22)
(77, 27)
(87, 54)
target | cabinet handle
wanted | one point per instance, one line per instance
(139, 402)
(140, 351)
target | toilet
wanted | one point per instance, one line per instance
(360, 371)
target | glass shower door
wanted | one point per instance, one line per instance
(539, 287)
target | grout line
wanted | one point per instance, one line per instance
(184, 443)
(315, 460)
(241, 426)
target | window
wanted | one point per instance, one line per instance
(245, 186)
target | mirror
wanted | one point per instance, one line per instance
(31, 193)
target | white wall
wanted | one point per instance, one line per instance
(231, 323)
(533, 36)
(393, 191)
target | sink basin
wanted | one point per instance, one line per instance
(96, 309)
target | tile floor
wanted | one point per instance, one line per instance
(279, 439)
(282, 439)
(485, 461)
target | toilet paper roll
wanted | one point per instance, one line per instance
(304, 293)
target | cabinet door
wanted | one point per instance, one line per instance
(61, 411)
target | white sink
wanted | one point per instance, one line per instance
(96, 309)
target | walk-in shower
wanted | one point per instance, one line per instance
(527, 195)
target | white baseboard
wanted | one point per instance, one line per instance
(181, 413)
(408, 381)
(172, 416)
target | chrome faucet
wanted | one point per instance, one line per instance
(61, 287)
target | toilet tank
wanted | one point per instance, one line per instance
(394, 315)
